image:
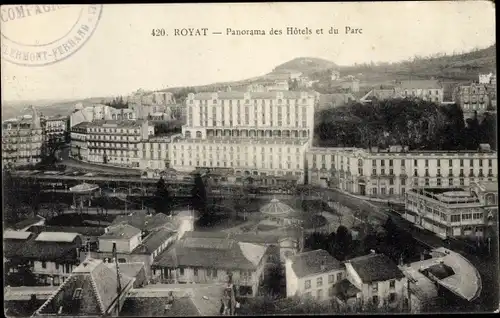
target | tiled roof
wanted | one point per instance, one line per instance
(128, 269)
(117, 123)
(189, 300)
(212, 252)
(375, 268)
(420, 84)
(25, 223)
(16, 235)
(41, 251)
(153, 241)
(310, 263)
(56, 237)
(121, 231)
(98, 285)
(145, 222)
(240, 237)
(83, 230)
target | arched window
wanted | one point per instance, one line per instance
(188, 134)
(360, 162)
(114, 116)
(198, 134)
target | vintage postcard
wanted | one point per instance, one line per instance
(249, 158)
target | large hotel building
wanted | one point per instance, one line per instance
(262, 134)
(391, 173)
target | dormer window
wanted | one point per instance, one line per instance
(77, 294)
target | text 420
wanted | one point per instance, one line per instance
(158, 32)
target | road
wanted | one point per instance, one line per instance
(72, 163)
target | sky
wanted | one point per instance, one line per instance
(122, 56)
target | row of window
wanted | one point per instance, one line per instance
(113, 130)
(319, 280)
(390, 162)
(237, 163)
(237, 148)
(248, 102)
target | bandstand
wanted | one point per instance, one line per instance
(280, 214)
(82, 193)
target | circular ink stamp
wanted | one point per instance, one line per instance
(37, 35)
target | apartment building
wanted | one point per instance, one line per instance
(55, 127)
(390, 173)
(213, 260)
(79, 141)
(429, 90)
(22, 140)
(313, 274)
(472, 98)
(453, 211)
(117, 142)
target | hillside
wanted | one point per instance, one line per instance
(457, 67)
(306, 65)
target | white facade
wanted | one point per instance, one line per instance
(390, 174)
(125, 245)
(245, 156)
(254, 115)
(57, 271)
(253, 133)
(318, 286)
(99, 112)
(446, 212)
(55, 127)
(118, 142)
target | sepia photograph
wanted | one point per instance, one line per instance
(241, 159)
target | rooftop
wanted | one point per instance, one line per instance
(16, 235)
(26, 223)
(153, 241)
(189, 300)
(83, 230)
(212, 252)
(84, 187)
(117, 123)
(420, 285)
(345, 290)
(448, 195)
(56, 237)
(463, 279)
(121, 231)
(314, 262)
(91, 290)
(41, 251)
(375, 268)
(144, 221)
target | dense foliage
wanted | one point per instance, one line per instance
(162, 197)
(414, 123)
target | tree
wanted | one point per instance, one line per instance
(199, 195)
(11, 202)
(162, 197)
(343, 243)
